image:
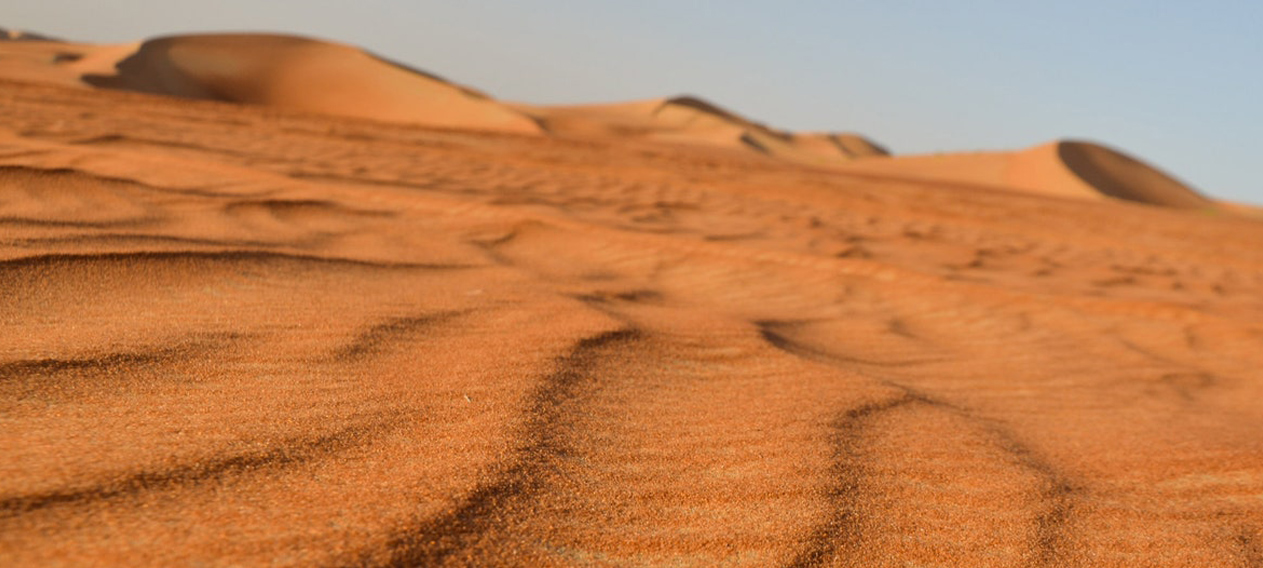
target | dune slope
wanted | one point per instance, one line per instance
(1123, 177)
(694, 121)
(281, 71)
(1072, 169)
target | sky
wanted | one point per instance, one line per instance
(1177, 84)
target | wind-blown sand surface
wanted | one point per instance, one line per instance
(257, 335)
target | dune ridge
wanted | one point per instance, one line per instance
(258, 335)
(304, 74)
(1063, 168)
(10, 34)
(299, 73)
(692, 120)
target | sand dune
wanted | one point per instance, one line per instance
(303, 74)
(258, 335)
(1073, 169)
(275, 70)
(21, 35)
(1121, 176)
(691, 120)
(53, 62)
(850, 145)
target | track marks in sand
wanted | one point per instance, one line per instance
(840, 531)
(636, 443)
(981, 499)
(1249, 550)
(40, 262)
(542, 444)
(892, 480)
(287, 453)
(106, 363)
(666, 442)
(375, 338)
(774, 332)
(70, 376)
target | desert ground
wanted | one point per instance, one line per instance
(275, 301)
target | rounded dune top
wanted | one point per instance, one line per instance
(305, 74)
(699, 114)
(1063, 168)
(12, 34)
(1118, 175)
(689, 119)
(858, 145)
(679, 115)
(1086, 169)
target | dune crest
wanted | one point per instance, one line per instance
(298, 73)
(849, 144)
(12, 34)
(683, 118)
(1063, 168)
(1120, 176)
(692, 120)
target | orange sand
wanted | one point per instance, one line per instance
(690, 120)
(1074, 169)
(273, 334)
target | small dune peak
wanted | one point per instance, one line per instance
(1084, 169)
(698, 104)
(858, 145)
(699, 109)
(1072, 169)
(14, 34)
(835, 147)
(845, 144)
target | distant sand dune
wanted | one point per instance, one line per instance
(303, 74)
(692, 120)
(1080, 170)
(7, 34)
(851, 145)
(1123, 177)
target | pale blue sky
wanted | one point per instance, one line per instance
(1178, 84)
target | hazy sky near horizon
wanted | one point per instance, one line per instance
(1177, 84)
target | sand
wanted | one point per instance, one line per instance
(280, 71)
(255, 334)
(689, 120)
(1063, 168)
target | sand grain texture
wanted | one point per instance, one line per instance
(257, 335)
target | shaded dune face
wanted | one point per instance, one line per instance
(1121, 176)
(304, 74)
(689, 111)
(681, 118)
